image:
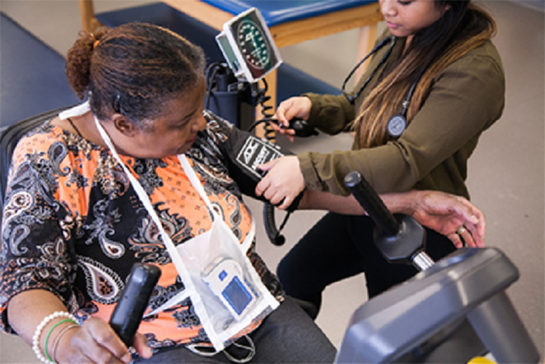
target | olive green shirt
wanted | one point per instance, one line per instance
(464, 100)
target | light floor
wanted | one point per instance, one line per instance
(506, 171)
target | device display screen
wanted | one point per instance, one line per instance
(236, 294)
(228, 52)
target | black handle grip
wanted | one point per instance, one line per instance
(302, 128)
(134, 299)
(372, 203)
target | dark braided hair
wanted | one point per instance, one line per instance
(132, 69)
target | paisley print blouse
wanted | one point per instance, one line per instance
(73, 225)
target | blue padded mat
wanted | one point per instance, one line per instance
(291, 81)
(168, 17)
(32, 78)
(280, 11)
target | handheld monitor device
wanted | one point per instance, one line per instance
(248, 47)
(226, 280)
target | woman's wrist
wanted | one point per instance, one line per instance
(52, 321)
(58, 337)
(401, 203)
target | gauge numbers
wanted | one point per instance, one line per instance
(253, 44)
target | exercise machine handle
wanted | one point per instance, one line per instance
(371, 202)
(400, 238)
(134, 299)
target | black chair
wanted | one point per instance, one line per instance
(32, 80)
(9, 137)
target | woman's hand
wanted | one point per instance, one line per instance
(294, 107)
(283, 181)
(96, 342)
(93, 342)
(450, 215)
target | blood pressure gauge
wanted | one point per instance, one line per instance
(248, 47)
(252, 45)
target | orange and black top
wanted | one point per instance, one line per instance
(73, 225)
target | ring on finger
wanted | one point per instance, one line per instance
(461, 230)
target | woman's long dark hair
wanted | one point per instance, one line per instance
(462, 27)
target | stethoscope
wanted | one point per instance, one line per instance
(397, 123)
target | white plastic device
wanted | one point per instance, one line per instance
(226, 280)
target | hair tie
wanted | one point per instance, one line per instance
(94, 39)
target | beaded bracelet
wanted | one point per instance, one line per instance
(39, 329)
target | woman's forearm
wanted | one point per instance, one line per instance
(24, 314)
(440, 211)
(348, 205)
(68, 342)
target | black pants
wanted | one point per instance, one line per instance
(341, 246)
(287, 335)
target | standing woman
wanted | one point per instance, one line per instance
(436, 70)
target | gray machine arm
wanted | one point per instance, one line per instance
(466, 286)
(469, 283)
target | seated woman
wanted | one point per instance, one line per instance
(138, 174)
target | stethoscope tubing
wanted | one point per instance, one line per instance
(400, 120)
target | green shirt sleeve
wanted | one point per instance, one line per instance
(330, 113)
(464, 100)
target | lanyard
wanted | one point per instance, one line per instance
(144, 198)
(213, 319)
(190, 173)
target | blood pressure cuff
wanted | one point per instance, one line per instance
(243, 152)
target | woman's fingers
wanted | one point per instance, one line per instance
(294, 107)
(99, 343)
(284, 131)
(141, 345)
(473, 229)
(466, 236)
(283, 181)
(96, 342)
(455, 238)
(106, 337)
(473, 215)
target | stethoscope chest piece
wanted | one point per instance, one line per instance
(396, 125)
